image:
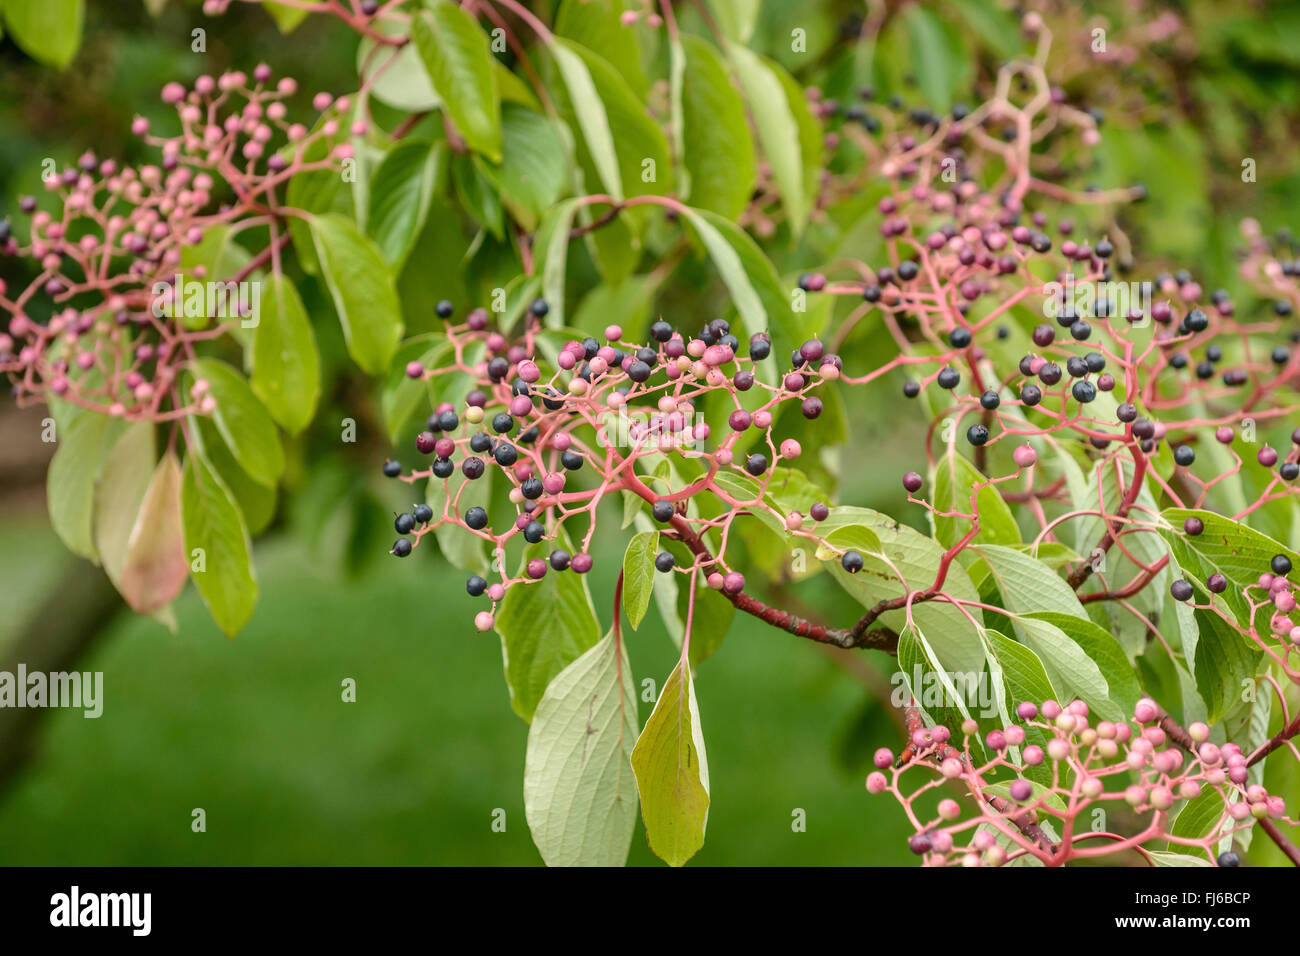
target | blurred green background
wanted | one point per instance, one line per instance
(254, 731)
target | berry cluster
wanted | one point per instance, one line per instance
(1055, 780)
(103, 324)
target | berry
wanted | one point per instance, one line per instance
(425, 442)
(1229, 858)
(502, 423)
(1126, 412)
(811, 407)
(476, 518)
(911, 481)
(990, 400)
(1217, 583)
(1049, 374)
(949, 378)
(475, 586)
(392, 468)
(560, 559)
(959, 338)
(1181, 590)
(852, 562)
(1080, 331)
(423, 514)
(532, 488)
(401, 547)
(662, 510)
(1289, 471)
(404, 523)
(505, 454)
(1031, 395)
(571, 460)
(534, 531)
(1184, 455)
(444, 309)
(472, 467)
(1193, 526)
(756, 464)
(443, 468)
(911, 389)
(760, 347)
(539, 308)
(819, 511)
(665, 562)
(1280, 564)
(977, 435)
(1084, 391)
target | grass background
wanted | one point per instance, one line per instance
(254, 731)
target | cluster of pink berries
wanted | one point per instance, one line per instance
(1053, 782)
(105, 324)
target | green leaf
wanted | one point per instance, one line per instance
(1230, 547)
(1199, 817)
(70, 481)
(750, 278)
(46, 30)
(953, 479)
(551, 249)
(286, 363)
(1071, 670)
(897, 560)
(544, 626)
(736, 18)
(459, 60)
(639, 575)
(119, 489)
(580, 795)
(718, 149)
(1026, 678)
(314, 191)
(478, 196)
(778, 129)
(400, 197)
(243, 421)
(1224, 659)
(216, 543)
(363, 291)
(1165, 858)
(596, 25)
(931, 59)
(397, 74)
(534, 167)
(155, 568)
(256, 502)
(287, 18)
(591, 115)
(672, 772)
(1028, 585)
(642, 160)
(1106, 652)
